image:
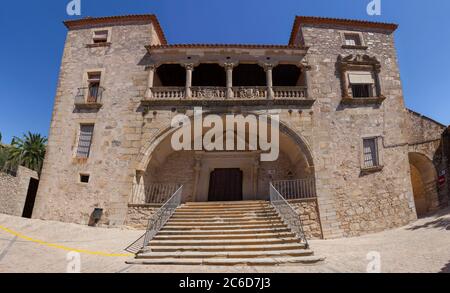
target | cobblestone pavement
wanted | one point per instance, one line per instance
(423, 246)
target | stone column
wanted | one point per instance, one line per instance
(268, 68)
(189, 68)
(151, 76)
(229, 69)
(305, 70)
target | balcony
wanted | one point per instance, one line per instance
(89, 97)
(226, 84)
(242, 95)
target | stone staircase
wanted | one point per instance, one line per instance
(225, 233)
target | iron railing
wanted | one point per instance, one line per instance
(157, 221)
(89, 95)
(296, 189)
(153, 193)
(288, 214)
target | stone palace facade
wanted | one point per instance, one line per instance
(353, 160)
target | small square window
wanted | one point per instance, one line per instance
(352, 39)
(84, 178)
(370, 152)
(100, 37)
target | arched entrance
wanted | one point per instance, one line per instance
(198, 171)
(424, 183)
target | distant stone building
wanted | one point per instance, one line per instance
(359, 162)
(18, 189)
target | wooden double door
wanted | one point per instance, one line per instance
(225, 185)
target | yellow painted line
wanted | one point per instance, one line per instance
(62, 247)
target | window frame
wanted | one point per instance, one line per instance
(362, 44)
(100, 44)
(77, 145)
(360, 63)
(379, 154)
(87, 81)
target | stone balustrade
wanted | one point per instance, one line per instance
(167, 93)
(239, 93)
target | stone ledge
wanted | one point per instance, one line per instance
(366, 171)
(363, 101)
(355, 47)
(108, 44)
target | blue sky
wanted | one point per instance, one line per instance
(32, 40)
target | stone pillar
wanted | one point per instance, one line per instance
(305, 70)
(268, 68)
(189, 68)
(229, 69)
(151, 77)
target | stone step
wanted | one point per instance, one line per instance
(226, 203)
(219, 219)
(224, 236)
(229, 254)
(225, 209)
(170, 223)
(224, 227)
(270, 261)
(224, 232)
(222, 248)
(240, 242)
(224, 212)
(225, 216)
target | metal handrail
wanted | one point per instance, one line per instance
(296, 189)
(288, 214)
(157, 221)
(161, 217)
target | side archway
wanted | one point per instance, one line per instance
(424, 183)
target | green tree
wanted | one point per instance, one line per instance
(28, 151)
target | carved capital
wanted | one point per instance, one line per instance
(189, 66)
(229, 65)
(268, 66)
(304, 65)
(150, 67)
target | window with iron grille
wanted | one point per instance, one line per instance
(85, 140)
(352, 39)
(370, 152)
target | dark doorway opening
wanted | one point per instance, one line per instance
(225, 185)
(31, 197)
